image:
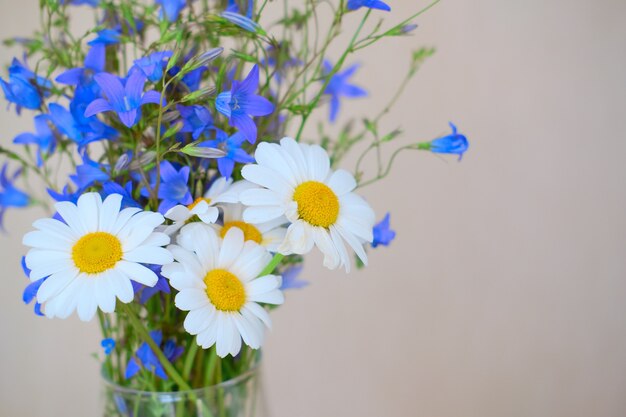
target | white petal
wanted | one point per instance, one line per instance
(224, 335)
(259, 312)
(121, 286)
(357, 227)
(202, 239)
(138, 229)
(261, 197)
(137, 273)
(250, 262)
(157, 239)
(262, 214)
(123, 218)
(322, 238)
(56, 228)
(250, 328)
(55, 284)
(272, 156)
(299, 239)
(198, 320)
(207, 337)
(64, 304)
(105, 292)
(262, 285)
(341, 248)
(191, 299)
(210, 215)
(87, 304)
(267, 178)
(235, 346)
(294, 151)
(46, 240)
(149, 255)
(109, 212)
(218, 187)
(273, 297)
(354, 243)
(70, 214)
(232, 246)
(341, 182)
(89, 209)
(317, 162)
(178, 213)
(187, 259)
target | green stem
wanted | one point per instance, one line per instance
(145, 335)
(329, 76)
(278, 257)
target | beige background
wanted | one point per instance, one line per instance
(504, 292)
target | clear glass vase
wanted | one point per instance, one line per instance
(239, 397)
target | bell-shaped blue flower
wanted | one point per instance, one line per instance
(10, 196)
(43, 138)
(30, 292)
(153, 64)
(145, 358)
(291, 279)
(196, 119)
(21, 92)
(93, 64)
(170, 9)
(454, 143)
(89, 172)
(234, 154)
(123, 97)
(233, 7)
(339, 86)
(372, 4)
(383, 235)
(108, 345)
(106, 37)
(173, 188)
(241, 103)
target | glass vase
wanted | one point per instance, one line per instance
(238, 397)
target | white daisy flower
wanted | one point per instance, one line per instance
(91, 258)
(319, 203)
(217, 283)
(221, 191)
(268, 234)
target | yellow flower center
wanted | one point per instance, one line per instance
(249, 231)
(318, 205)
(224, 290)
(96, 252)
(197, 201)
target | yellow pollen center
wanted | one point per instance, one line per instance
(197, 201)
(224, 290)
(318, 205)
(96, 252)
(249, 231)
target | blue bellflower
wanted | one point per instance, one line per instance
(123, 98)
(241, 103)
(454, 143)
(383, 235)
(233, 7)
(66, 194)
(232, 146)
(173, 189)
(43, 138)
(290, 279)
(89, 172)
(83, 76)
(30, 292)
(145, 358)
(152, 65)
(21, 92)
(340, 87)
(10, 196)
(106, 37)
(126, 192)
(170, 9)
(108, 345)
(372, 4)
(196, 119)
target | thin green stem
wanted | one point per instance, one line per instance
(145, 335)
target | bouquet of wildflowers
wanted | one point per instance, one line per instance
(172, 138)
